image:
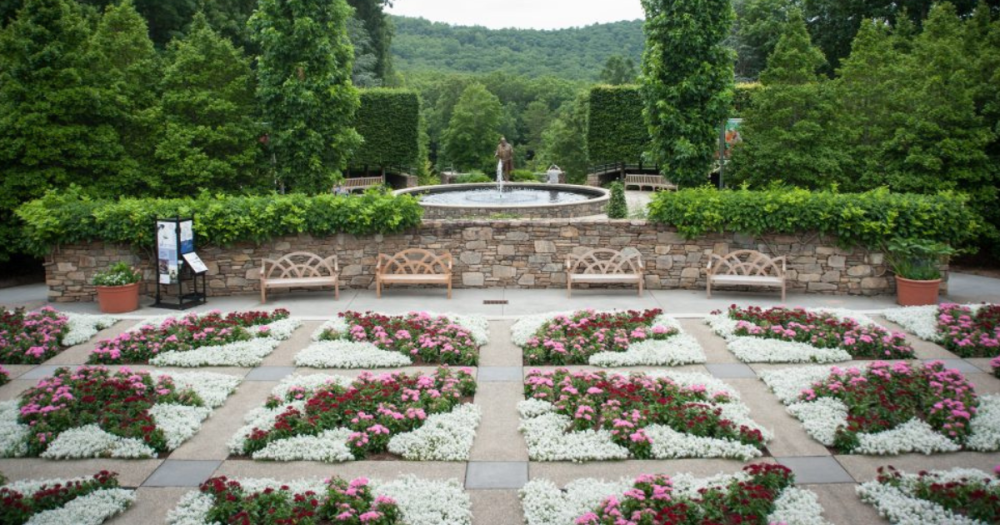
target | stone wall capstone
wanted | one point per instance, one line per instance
(504, 253)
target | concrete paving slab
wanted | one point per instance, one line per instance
(500, 351)
(15, 388)
(285, 354)
(957, 364)
(396, 301)
(695, 302)
(816, 470)
(25, 296)
(131, 472)
(984, 383)
(385, 470)
(496, 507)
(269, 373)
(182, 473)
(865, 468)
(530, 301)
(496, 474)
(499, 374)
(731, 371)
(562, 472)
(210, 441)
(151, 506)
(497, 438)
(15, 371)
(982, 363)
(842, 506)
(790, 439)
(713, 345)
(39, 372)
(968, 288)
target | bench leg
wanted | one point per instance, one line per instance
(782, 291)
(708, 288)
(378, 288)
(263, 294)
(569, 287)
(640, 285)
(336, 290)
(449, 288)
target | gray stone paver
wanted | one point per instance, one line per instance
(13, 389)
(816, 470)
(982, 363)
(841, 505)
(713, 345)
(270, 373)
(958, 364)
(496, 474)
(39, 372)
(15, 371)
(500, 351)
(152, 504)
(731, 371)
(499, 374)
(497, 438)
(182, 473)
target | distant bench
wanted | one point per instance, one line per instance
(748, 268)
(362, 183)
(603, 266)
(301, 270)
(652, 181)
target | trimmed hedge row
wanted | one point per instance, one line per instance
(67, 217)
(616, 131)
(389, 121)
(857, 219)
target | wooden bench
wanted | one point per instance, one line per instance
(747, 268)
(413, 266)
(652, 181)
(603, 265)
(299, 269)
(362, 183)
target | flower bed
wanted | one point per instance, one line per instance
(952, 497)
(887, 408)
(966, 330)
(236, 339)
(93, 412)
(578, 416)
(408, 500)
(783, 335)
(81, 501)
(332, 418)
(33, 337)
(370, 340)
(626, 338)
(760, 493)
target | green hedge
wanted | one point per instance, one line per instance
(856, 219)
(389, 121)
(616, 131)
(67, 217)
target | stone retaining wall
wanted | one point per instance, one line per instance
(510, 253)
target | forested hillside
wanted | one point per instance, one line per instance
(576, 53)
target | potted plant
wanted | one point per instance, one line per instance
(118, 289)
(916, 263)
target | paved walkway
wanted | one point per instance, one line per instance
(499, 461)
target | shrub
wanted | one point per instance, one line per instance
(616, 131)
(62, 217)
(617, 207)
(856, 219)
(389, 121)
(523, 176)
(474, 177)
(119, 274)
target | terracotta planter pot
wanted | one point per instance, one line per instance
(118, 299)
(916, 293)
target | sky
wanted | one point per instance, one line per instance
(525, 14)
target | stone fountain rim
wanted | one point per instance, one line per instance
(598, 194)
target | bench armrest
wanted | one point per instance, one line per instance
(378, 263)
(263, 267)
(640, 264)
(783, 264)
(711, 259)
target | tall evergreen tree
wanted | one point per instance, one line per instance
(687, 74)
(210, 137)
(474, 129)
(379, 29)
(788, 132)
(564, 142)
(305, 90)
(618, 70)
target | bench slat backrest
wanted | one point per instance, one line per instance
(747, 263)
(605, 261)
(415, 261)
(299, 264)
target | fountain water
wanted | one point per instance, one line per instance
(500, 178)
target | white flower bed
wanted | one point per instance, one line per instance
(900, 505)
(443, 437)
(751, 349)
(679, 349)
(420, 501)
(922, 321)
(546, 435)
(178, 423)
(352, 354)
(240, 353)
(545, 504)
(821, 417)
(81, 327)
(91, 509)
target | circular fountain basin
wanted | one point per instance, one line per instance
(518, 200)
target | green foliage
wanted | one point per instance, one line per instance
(857, 219)
(743, 97)
(363, 73)
(687, 75)
(379, 31)
(474, 128)
(615, 129)
(759, 24)
(917, 259)
(210, 138)
(304, 88)
(564, 142)
(618, 70)
(573, 53)
(617, 207)
(118, 274)
(523, 176)
(67, 217)
(389, 122)
(476, 177)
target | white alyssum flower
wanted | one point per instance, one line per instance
(238, 353)
(262, 418)
(920, 320)
(442, 437)
(81, 327)
(13, 435)
(788, 383)
(341, 353)
(92, 509)
(821, 418)
(90, 441)
(213, 388)
(913, 436)
(547, 439)
(178, 422)
(545, 504)
(670, 444)
(329, 446)
(420, 501)
(985, 425)
(901, 506)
